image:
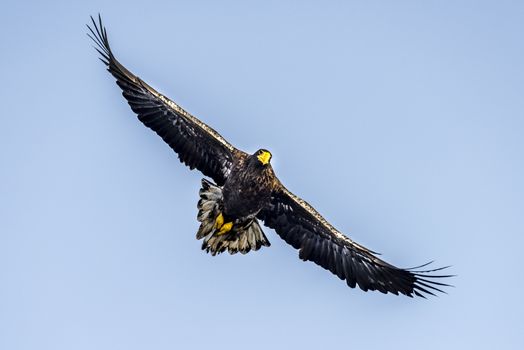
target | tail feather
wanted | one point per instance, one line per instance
(243, 238)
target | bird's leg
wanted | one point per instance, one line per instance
(225, 228)
(221, 226)
(219, 221)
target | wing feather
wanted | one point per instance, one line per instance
(197, 145)
(301, 226)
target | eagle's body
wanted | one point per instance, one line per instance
(246, 191)
(248, 188)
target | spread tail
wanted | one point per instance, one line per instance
(242, 238)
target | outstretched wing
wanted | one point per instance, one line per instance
(301, 226)
(197, 145)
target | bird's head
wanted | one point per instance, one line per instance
(263, 156)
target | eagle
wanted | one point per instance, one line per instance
(244, 192)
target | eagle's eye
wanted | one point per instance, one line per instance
(264, 156)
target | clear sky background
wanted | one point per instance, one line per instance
(400, 121)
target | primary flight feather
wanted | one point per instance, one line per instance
(246, 190)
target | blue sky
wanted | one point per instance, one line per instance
(401, 122)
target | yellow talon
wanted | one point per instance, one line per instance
(219, 224)
(219, 221)
(225, 228)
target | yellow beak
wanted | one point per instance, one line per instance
(264, 157)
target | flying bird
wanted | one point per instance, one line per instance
(244, 191)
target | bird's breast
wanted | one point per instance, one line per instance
(245, 194)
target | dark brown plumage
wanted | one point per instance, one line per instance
(247, 190)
